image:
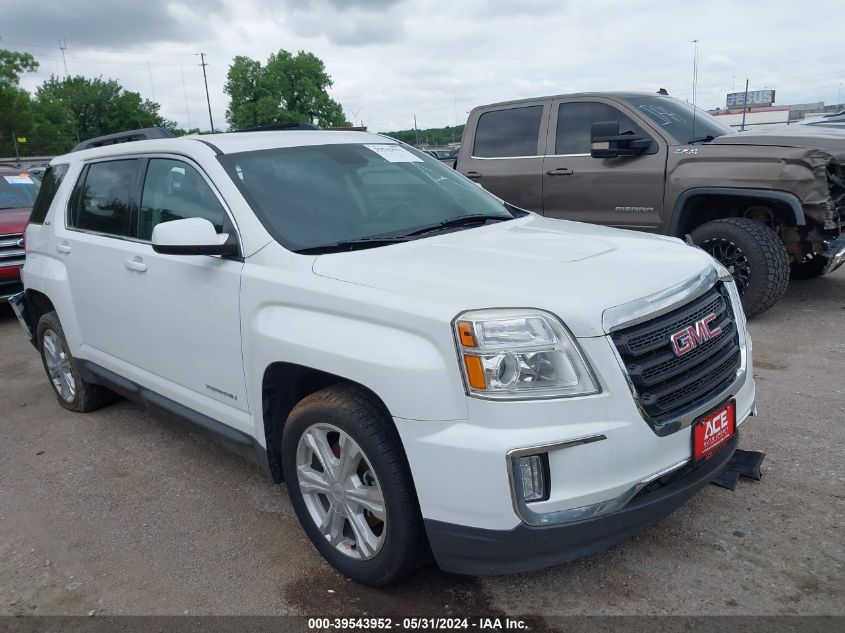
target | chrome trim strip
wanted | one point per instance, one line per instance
(15, 262)
(536, 519)
(653, 306)
(505, 157)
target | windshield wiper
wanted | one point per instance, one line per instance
(352, 245)
(372, 242)
(703, 139)
(459, 220)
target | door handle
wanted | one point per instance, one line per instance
(63, 247)
(137, 264)
(560, 171)
(473, 174)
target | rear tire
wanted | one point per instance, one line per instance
(755, 256)
(72, 392)
(813, 267)
(382, 538)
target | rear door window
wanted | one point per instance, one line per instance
(508, 133)
(102, 202)
(49, 186)
(575, 121)
(174, 190)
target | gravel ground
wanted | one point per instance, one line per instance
(118, 512)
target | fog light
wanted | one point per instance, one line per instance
(532, 470)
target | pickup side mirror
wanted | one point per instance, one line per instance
(191, 236)
(607, 142)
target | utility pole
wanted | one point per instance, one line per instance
(62, 47)
(207, 98)
(416, 132)
(17, 154)
(744, 106)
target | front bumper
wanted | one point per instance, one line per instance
(834, 254)
(480, 552)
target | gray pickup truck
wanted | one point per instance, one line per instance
(767, 205)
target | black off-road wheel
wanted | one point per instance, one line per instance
(809, 268)
(754, 255)
(72, 392)
(351, 487)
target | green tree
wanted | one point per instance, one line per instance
(77, 108)
(15, 103)
(288, 88)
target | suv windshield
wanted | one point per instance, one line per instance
(683, 121)
(323, 196)
(17, 190)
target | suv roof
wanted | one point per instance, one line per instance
(233, 142)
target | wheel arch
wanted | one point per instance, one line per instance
(283, 385)
(695, 207)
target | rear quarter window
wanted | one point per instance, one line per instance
(49, 186)
(508, 133)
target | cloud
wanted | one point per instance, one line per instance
(107, 23)
(347, 22)
(393, 59)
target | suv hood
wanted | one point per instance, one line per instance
(13, 220)
(574, 270)
(830, 140)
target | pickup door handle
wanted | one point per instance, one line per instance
(560, 171)
(137, 264)
(63, 247)
(473, 174)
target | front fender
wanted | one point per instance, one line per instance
(415, 376)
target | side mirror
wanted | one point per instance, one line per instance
(607, 142)
(191, 236)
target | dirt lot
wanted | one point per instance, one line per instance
(119, 512)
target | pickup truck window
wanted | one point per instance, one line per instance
(508, 133)
(103, 198)
(575, 121)
(173, 190)
(683, 121)
(315, 196)
(49, 186)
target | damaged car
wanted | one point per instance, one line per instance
(767, 205)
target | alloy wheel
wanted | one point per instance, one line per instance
(341, 491)
(58, 366)
(731, 257)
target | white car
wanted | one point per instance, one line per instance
(429, 369)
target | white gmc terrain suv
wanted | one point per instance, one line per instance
(430, 370)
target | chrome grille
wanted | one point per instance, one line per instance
(668, 385)
(11, 250)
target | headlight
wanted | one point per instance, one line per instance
(513, 354)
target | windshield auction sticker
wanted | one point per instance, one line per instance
(18, 180)
(394, 153)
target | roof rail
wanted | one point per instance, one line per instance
(143, 134)
(280, 126)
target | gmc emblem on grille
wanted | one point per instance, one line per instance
(692, 336)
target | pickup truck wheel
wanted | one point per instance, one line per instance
(754, 255)
(72, 392)
(351, 487)
(813, 267)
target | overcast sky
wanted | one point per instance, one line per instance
(391, 59)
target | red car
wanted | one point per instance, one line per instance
(18, 189)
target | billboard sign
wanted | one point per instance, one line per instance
(755, 98)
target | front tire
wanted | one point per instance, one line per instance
(754, 255)
(351, 487)
(72, 392)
